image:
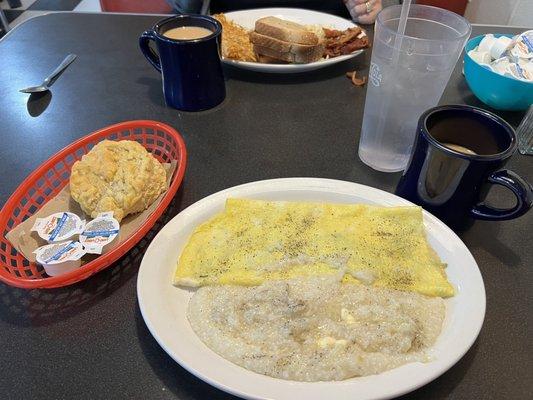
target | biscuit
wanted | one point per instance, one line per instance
(119, 176)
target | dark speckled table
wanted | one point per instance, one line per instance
(89, 341)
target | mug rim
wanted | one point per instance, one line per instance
(486, 114)
(162, 22)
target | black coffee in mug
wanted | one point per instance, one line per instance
(457, 155)
(448, 129)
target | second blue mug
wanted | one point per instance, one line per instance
(458, 154)
(191, 68)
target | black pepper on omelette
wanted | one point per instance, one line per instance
(255, 241)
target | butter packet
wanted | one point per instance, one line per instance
(522, 72)
(58, 227)
(522, 46)
(60, 258)
(500, 47)
(481, 57)
(502, 66)
(99, 233)
(486, 43)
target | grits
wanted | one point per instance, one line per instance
(316, 329)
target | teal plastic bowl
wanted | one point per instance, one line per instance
(495, 90)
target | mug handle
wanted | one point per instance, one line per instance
(149, 53)
(520, 188)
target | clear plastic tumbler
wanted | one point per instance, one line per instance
(406, 81)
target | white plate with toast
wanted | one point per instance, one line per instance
(247, 19)
(164, 306)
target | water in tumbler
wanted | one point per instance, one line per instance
(400, 89)
(387, 135)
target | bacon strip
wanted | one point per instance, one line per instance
(344, 42)
(356, 81)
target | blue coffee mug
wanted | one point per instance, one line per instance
(458, 153)
(191, 69)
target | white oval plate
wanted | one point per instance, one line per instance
(164, 306)
(247, 18)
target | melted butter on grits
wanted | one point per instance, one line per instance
(255, 241)
(316, 329)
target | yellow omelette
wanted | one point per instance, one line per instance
(253, 241)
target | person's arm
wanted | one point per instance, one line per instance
(363, 11)
(186, 6)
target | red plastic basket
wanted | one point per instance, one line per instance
(164, 142)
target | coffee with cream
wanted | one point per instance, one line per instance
(187, 33)
(459, 148)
